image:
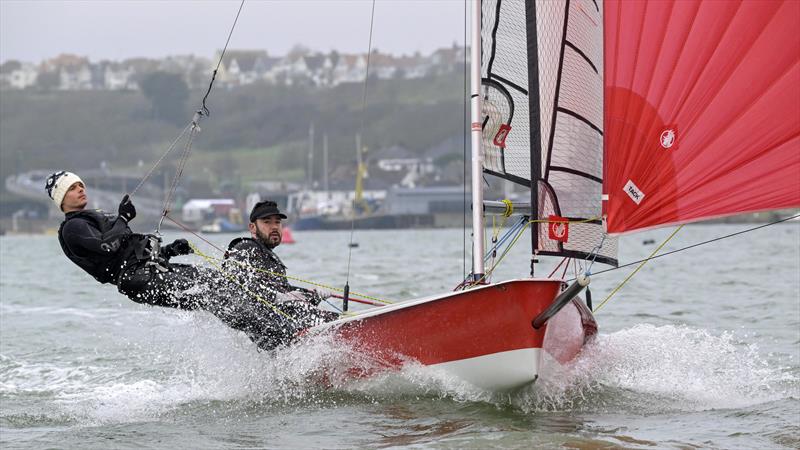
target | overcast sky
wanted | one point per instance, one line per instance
(33, 30)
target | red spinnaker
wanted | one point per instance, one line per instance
(702, 110)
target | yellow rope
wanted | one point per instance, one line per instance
(509, 207)
(516, 238)
(505, 252)
(590, 219)
(330, 288)
(496, 231)
(233, 279)
(509, 210)
(637, 268)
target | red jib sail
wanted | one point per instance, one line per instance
(702, 110)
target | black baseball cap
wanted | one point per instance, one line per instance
(265, 209)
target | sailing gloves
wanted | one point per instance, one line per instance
(177, 248)
(126, 209)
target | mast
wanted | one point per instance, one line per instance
(325, 164)
(358, 195)
(477, 160)
(310, 174)
(535, 126)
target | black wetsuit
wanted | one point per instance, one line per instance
(105, 247)
(260, 277)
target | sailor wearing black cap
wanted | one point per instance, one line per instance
(266, 229)
(262, 272)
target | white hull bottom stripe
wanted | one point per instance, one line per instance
(498, 371)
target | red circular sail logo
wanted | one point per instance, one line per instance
(667, 138)
(558, 229)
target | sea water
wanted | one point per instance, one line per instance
(699, 349)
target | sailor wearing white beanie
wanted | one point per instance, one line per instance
(58, 184)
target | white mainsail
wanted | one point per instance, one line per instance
(555, 125)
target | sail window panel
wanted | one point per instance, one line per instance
(504, 61)
(489, 20)
(577, 196)
(576, 146)
(583, 237)
(581, 90)
(518, 148)
(504, 46)
(585, 30)
(550, 38)
(514, 159)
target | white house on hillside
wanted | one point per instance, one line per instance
(118, 77)
(17, 75)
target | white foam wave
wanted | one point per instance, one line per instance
(646, 369)
(6, 308)
(20, 377)
(650, 368)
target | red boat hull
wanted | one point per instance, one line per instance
(483, 335)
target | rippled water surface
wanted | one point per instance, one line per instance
(699, 349)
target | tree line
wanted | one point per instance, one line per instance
(45, 129)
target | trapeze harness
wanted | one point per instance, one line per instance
(109, 251)
(116, 245)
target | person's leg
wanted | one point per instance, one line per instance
(242, 311)
(306, 314)
(190, 287)
(180, 286)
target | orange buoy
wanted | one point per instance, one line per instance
(287, 236)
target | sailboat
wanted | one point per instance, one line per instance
(618, 116)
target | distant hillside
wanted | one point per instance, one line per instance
(78, 130)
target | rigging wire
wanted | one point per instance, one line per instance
(637, 268)
(464, 140)
(193, 128)
(698, 244)
(184, 158)
(519, 232)
(210, 258)
(361, 132)
(511, 231)
(171, 147)
(204, 109)
(653, 255)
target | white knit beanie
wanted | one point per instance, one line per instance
(58, 184)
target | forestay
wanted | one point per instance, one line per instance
(555, 128)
